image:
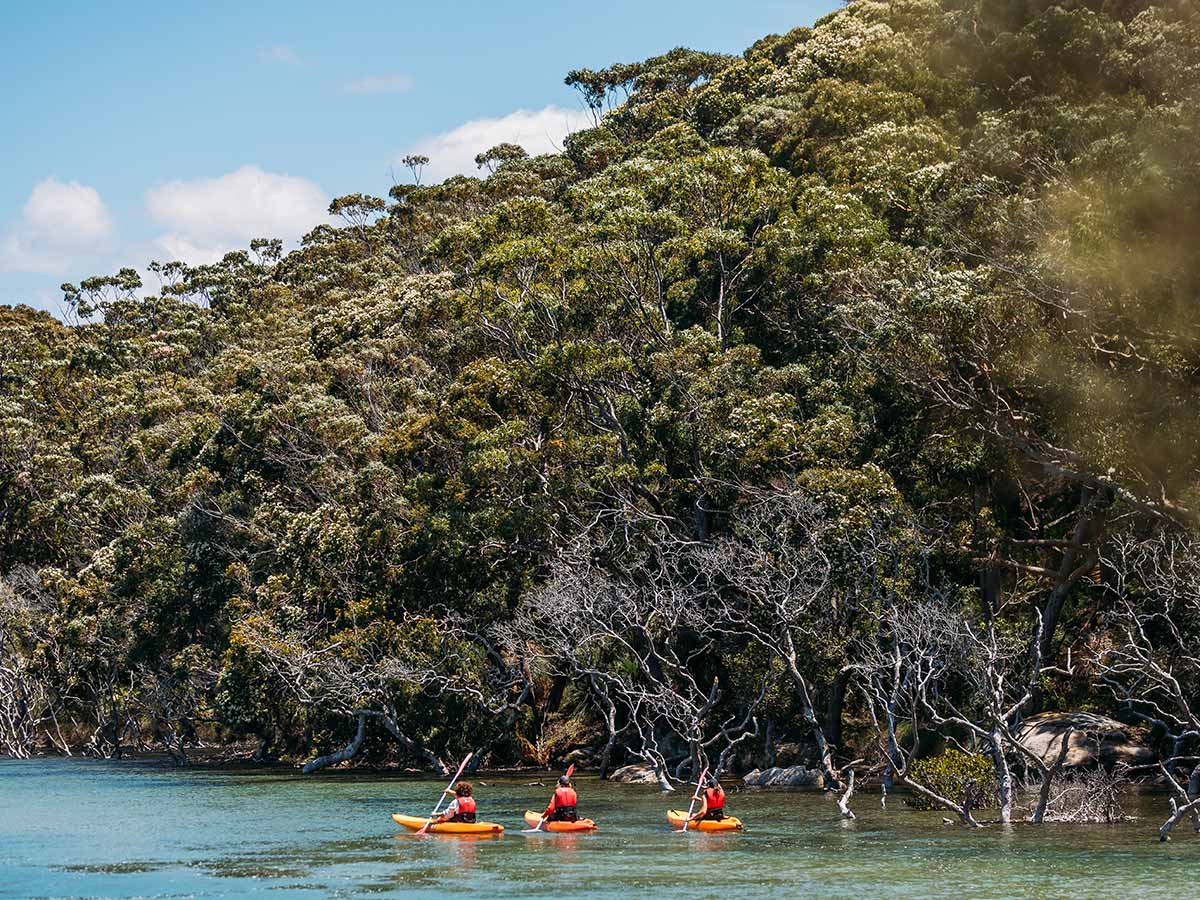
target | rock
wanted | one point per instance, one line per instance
(635, 774)
(792, 776)
(584, 756)
(1096, 740)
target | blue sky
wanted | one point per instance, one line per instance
(140, 130)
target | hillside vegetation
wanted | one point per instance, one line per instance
(840, 387)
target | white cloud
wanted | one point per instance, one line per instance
(538, 131)
(207, 217)
(282, 54)
(59, 221)
(391, 83)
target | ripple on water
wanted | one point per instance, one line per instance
(126, 830)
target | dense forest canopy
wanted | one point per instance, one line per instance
(873, 350)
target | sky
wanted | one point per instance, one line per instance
(147, 130)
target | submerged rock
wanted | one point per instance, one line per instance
(1096, 740)
(791, 776)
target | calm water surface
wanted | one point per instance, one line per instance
(87, 829)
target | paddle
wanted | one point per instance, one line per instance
(542, 820)
(438, 806)
(695, 797)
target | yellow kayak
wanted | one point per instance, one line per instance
(532, 818)
(416, 823)
(729, 823)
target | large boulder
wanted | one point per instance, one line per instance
(634, 774)
(583, 756)
(791, 776)
(1096, 740)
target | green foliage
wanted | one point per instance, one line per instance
(930, 256)
(949, 774)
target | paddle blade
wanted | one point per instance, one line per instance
(463, 765)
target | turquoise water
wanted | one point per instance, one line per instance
(89, 829)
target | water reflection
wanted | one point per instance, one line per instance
(712, 842)
(563, 845)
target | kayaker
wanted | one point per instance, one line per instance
(461, 808)
(562, 804)
(713, 807)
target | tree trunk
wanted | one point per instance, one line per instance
(833, 713)
(610, 740)
(769, 744)
(1074, 565)
(1179, 812)
(824, 752)
(606, 755)
(557, 688)
(1048, 776)
(347, 752)
(660, 772)
(1185, 806)
(416, 749)
(610, 726)
(844, 800)
(1003, 776)
(266, 740)
(963, 811)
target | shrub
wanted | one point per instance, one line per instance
(949, 773)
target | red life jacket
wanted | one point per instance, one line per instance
(714, 798)
(565, 796)
(466, 809)
(563, 805)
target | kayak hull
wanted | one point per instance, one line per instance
(415, 823)
(532, 818)
(729, 823)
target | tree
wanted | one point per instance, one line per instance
(1151, 665)
(629, 634)
(772, 582)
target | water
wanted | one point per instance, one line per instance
(88, 829)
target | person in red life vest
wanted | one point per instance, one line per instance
(713, 801)
(461, 808)
(562, 804)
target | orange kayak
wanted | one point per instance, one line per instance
(729, 823)
(532, 818)
(414, 823)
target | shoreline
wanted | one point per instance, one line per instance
(352, 771)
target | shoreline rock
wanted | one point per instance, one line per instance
(1097, 740)
(789, 777)
(634, 774)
